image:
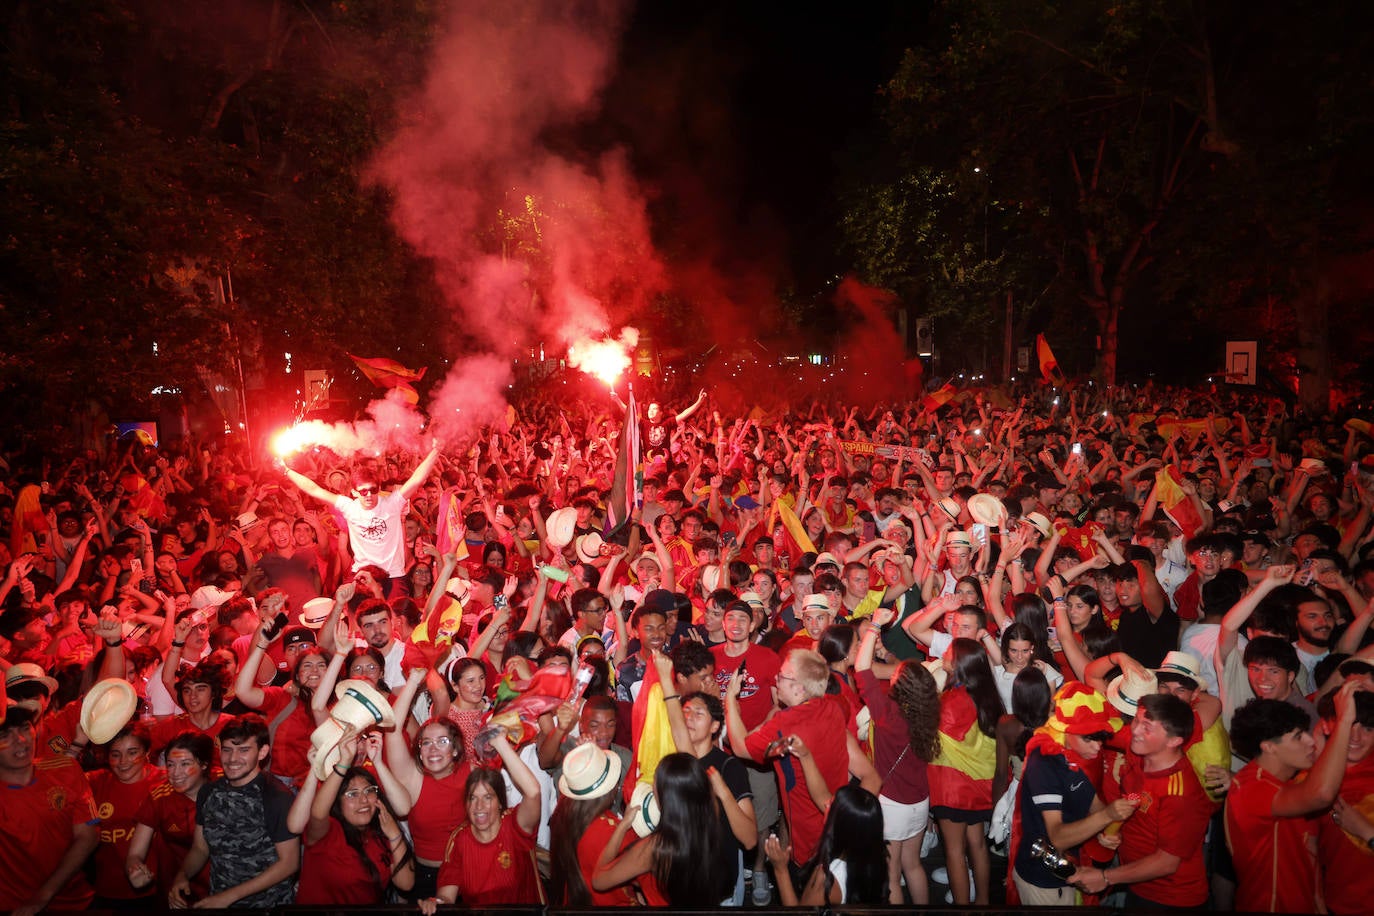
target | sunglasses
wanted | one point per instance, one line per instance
(368, 491)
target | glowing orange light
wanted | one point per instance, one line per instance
(607, 359)
(289, 441)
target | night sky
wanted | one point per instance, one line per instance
(740, 116)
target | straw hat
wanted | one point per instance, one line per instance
(359, 706)
(957, 538)
(949, 506)
(107, 708)
(816, 602)
(711, 577)
(1038, 521)
(315, 612)
(208, 596)
(826, 558)
(561, 525)
(23, 672)
(646, 819)
(589, 772)
(1179, 665)
(1126, 690)
(986, 509)
(589, 547)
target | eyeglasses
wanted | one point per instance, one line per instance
(367, 669)
(367, 491)
(441, 741)
(365, 792)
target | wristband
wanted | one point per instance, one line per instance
(178, 645)
(112, 643)
(340, 769)
(672, 696)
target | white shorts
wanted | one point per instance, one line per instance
(903, 821)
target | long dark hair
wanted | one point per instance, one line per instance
(1030, 610)
(973, 672)
(916, 695)
(854, 832)
(570, 822)
(303, 693)
(358, 837)
(687, 844)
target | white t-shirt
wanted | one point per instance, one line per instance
(1005, 679)
(377, 537)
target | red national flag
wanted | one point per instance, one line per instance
(937, 399)
(1176, 503)
(1049, 366)
(387, 373)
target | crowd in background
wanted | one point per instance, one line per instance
(1119, 637)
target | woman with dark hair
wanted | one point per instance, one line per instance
(354, 848)
(1082, 631)
(679, 863)
(290, 718)
(582, 825)
(961, 776)
(1030, 609)
(365, 663)
(839, 646)
(850, 865)
(1018, 654)
(906, 738)
(120, 789)
(467, 680)
(433, 772)
(1032, 698)
(165, 825)
(490, 857)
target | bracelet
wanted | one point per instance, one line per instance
(263, 648)
(672, 696)
(1104, 877)
(112, 643)
(340, 769)
(178, 645)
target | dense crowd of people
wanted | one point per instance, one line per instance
(1119, 637)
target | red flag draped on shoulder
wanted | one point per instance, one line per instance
(387, 373)
(628, 484)
(1049, 366)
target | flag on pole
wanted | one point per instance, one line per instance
(387, 373)
(627, 487)
(1049, 366)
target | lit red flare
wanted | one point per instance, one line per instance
(607, 359)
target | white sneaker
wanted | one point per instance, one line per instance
(762, 894)
(940, 876)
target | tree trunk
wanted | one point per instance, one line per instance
(1108, 315)
(1314, 346)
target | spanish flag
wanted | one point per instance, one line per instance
(1049, 366)
(387, 373)
(1176, 503)
(937, 399)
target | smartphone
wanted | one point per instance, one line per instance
(278, 623)
(743, 669)
(727, 538)
(1078, 448)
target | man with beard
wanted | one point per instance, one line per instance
(1316, 620)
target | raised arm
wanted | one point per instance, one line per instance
(421, 473)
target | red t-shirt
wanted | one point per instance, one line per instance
(1172, 816)
(1347, 863)
(56, 730)
(1274, 870)
(439, 807)
(821, 725)
(173, 818)
(501, 871)
(38, 823)
(168, 727)
(332, 873)
(761, 673)
(117, 805)
(291, 741)
(589, 850)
